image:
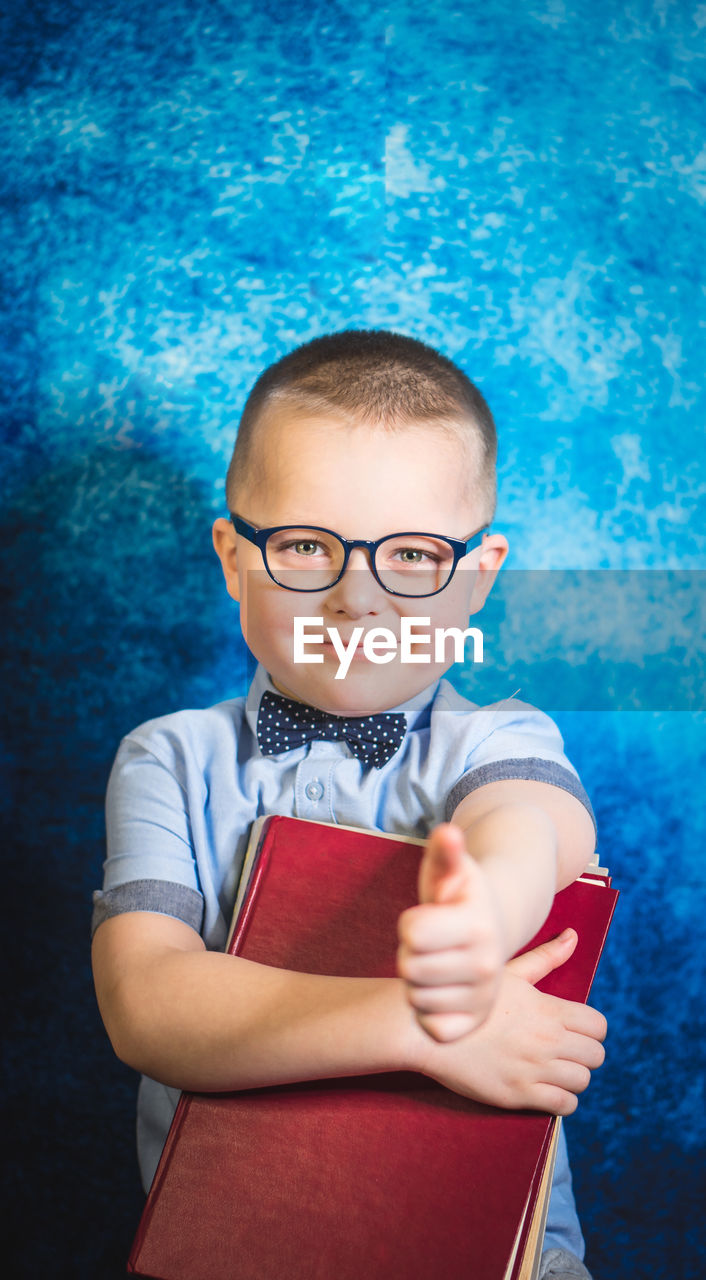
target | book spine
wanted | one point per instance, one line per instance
(258, 875)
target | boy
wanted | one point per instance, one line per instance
(344, 445)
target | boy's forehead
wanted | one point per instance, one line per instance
(292, 439)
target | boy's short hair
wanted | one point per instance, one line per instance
(377, 378)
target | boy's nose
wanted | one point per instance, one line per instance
(358, 591)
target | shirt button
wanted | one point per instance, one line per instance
(313, 790)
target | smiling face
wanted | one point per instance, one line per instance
(361, 482)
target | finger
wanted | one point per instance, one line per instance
(551, 1098)
(536, 964)
(582, 1049)
(572, 1077)
(585, 1020)
(445, 1000)
(446, 1027)
(440, 927)
(439, 968)
(444, 868)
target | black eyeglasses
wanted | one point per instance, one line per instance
(307, 558)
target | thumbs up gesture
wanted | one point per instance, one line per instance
(452, 945)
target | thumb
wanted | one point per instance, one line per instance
(445, 866)
(536, 964)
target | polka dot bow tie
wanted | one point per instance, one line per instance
(283, 725)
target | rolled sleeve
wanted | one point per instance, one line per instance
(532, 768)
(149, 895)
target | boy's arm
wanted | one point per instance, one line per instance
(486, 885)
(202, 1020)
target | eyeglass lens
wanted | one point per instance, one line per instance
(309, 560)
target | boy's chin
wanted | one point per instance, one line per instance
(363, 691)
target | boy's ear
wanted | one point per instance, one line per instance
(225, 547)
(493, 553)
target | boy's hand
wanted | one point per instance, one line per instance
(452, 947)
(534, 1050)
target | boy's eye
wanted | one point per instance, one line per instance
(306, 546)
(411, 555)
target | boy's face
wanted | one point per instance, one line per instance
(360, 482)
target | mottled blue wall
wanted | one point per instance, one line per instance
(190, 189)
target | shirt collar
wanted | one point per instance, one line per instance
(412, 708)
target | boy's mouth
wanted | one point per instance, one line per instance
(346, 641)
(353, 645)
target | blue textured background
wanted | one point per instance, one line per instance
(190, 189)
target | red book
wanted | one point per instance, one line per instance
(361, 1178)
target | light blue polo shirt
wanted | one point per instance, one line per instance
(185, 789)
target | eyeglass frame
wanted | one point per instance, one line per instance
(259, 537)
